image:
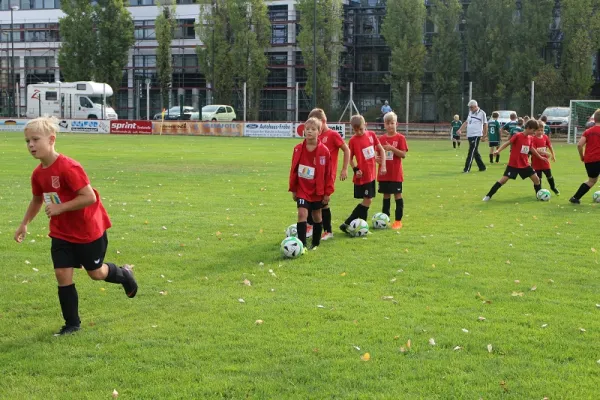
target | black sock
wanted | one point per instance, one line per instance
(491, 158)
(458, 144)
(326, 212)
(386, 206)
(583, 189)
(353, 215)
(399, 209)
(497, 158)
(301, 229)
(494, 189)
(454, 144)
(309, 220)
(317, 231)
(115, 274)
(363, 212)
(69, 304)
(552, 184)
(537, 188)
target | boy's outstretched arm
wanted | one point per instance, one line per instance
(504, 145)
(85, 197)
(34, 207)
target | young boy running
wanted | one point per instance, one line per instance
(541, 142)
(334, 143)
(518, 163)
(390, 182)
(456, 124)
(494, 136)
(310, 181)
(590, 141)
(363, 146)
(78, 220)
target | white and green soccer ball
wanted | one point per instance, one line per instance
(358, 227)
(291, 247)
(292, 230)
(543, 194)
(596, 197)
(380, 221)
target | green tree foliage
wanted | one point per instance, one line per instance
(78, 48)
(580, 23)
(403, 33)
(328, 46)
(235, 34)
(488, 32)
(446, 56)
(164, 27)
(549, 88)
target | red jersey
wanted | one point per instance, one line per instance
(364, 148)
(519, 151)
(393, 163)
(540, 144)
(310, 176)
(592, 145)
(334, 142)
(59, 183)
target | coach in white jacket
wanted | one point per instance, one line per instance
(477, 130)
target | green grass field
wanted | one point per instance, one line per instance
(199, 216)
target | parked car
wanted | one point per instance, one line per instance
(174, 113)
(217, 112)
(504, 116)
(558, 117)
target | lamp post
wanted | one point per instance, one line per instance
(314, 99)
(464, 62)
(12, 61)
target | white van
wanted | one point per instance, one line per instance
(71, 100)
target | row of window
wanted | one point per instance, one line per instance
(51, 4)
(144, 30)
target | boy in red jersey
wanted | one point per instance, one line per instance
(310, 181)
(363, 146)
(590, 140)
(390, 182)
(78, 221)
(334, 142)
(541, 142)
(518, 163)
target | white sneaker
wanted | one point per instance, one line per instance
(327, 236)
(314, 248)
(309, 230)
(486, 198)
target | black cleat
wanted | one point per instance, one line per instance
(556, 192)
(130, 285)
(574, 200)
(67, 330)
(344, 228)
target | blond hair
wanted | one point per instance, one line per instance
(456, 117)
(47, 126)
(541, 123)
(317, 113)
(390, 116)
(357, 121)
(314, 122)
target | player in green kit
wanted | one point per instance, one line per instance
(516, 128)
(494, 136)
(506, 127)
(456, 124)
(544, 119)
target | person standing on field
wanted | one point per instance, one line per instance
(476, 125)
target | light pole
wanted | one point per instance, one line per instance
(314, 99)
(464, 62)
(12, 61)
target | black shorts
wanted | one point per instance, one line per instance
(389, 187)
(494, 144)
(593, 169)
(366, 190)
(309, 205)
(455, 137)
(524, 173)
(74, 255)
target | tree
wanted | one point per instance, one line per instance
(114, 32)
(580, 23)
(328, 47)
(446, 56)
(78, 48)
(164, 27)
(403, 33)
(549, 88)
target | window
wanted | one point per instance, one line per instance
(51, 96)
(185, 29)
(81, 86)
(277, 77)
(85, 102)
(229, 110)
(221, 110)
(278, 59)
(41, 32)
(278, 31)
(144, 30)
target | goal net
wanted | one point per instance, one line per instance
(581, 111)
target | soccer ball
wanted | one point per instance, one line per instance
(596, 197)
(543, 194)
(358, 227)
(380, 221)
(291, 247)
(292, 230)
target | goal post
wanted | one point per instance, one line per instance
(581, 111)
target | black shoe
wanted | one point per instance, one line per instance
(67, 330)
(465, 172)
(574, 200)
(483, 170)
(556, 192)
(130, 285)
(344, 228)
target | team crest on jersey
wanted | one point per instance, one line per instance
(370, 139)
(395, 143)
(55, 182)
(322, 160)
(324, 140)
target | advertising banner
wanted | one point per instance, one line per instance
(84, 126)
(12, 125)
(198, 128)
(269, 129)
(338, 127)
(131, 127)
